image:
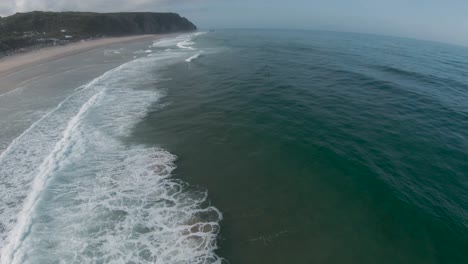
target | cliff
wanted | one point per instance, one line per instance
(25, 30)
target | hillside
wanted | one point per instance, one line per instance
(25, 30)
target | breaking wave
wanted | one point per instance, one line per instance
(74, 191)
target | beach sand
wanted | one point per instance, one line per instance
(19, 62)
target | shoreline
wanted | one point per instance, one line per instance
(23, 61)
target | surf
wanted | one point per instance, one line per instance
(51, 163)
(70, 181)
(194, 57)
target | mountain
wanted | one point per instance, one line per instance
(26, 30)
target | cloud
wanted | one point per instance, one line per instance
(6, 7)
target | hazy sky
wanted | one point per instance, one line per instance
(440, 20)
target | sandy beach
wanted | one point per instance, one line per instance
(21, 61)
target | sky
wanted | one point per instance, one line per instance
(437, 20)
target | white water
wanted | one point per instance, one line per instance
(14, 91)
(194, 57)
(184, 41)
(185, 44)
(73, 191)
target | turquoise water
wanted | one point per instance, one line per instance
(239, 146)
(324, 147)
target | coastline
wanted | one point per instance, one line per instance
(22, 61)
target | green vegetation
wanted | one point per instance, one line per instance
(26, 30)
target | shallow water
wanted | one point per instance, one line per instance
(75, 192)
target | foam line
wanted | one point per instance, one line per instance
(60, 105)
(50, 164)
(74, 192)
(18, 89)
(194, 57)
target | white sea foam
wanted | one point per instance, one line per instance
(73, 192)
(165, 42)
(194, 57)
(112, 52)
(200, 33)
(20, 164)
(15, 91)
(185, 44)
(184, 41)
(171, 41)
(51, 163)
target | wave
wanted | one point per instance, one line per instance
(112, 52)
(50, 164)
(185, 44)
(17, 90)
(184, 41)
(194, 57)
(424, 78)
(73, 190)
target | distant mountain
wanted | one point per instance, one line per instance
(25, 30)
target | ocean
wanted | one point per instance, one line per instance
(239, 146)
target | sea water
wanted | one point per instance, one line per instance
(240, 146)
(73, 191)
